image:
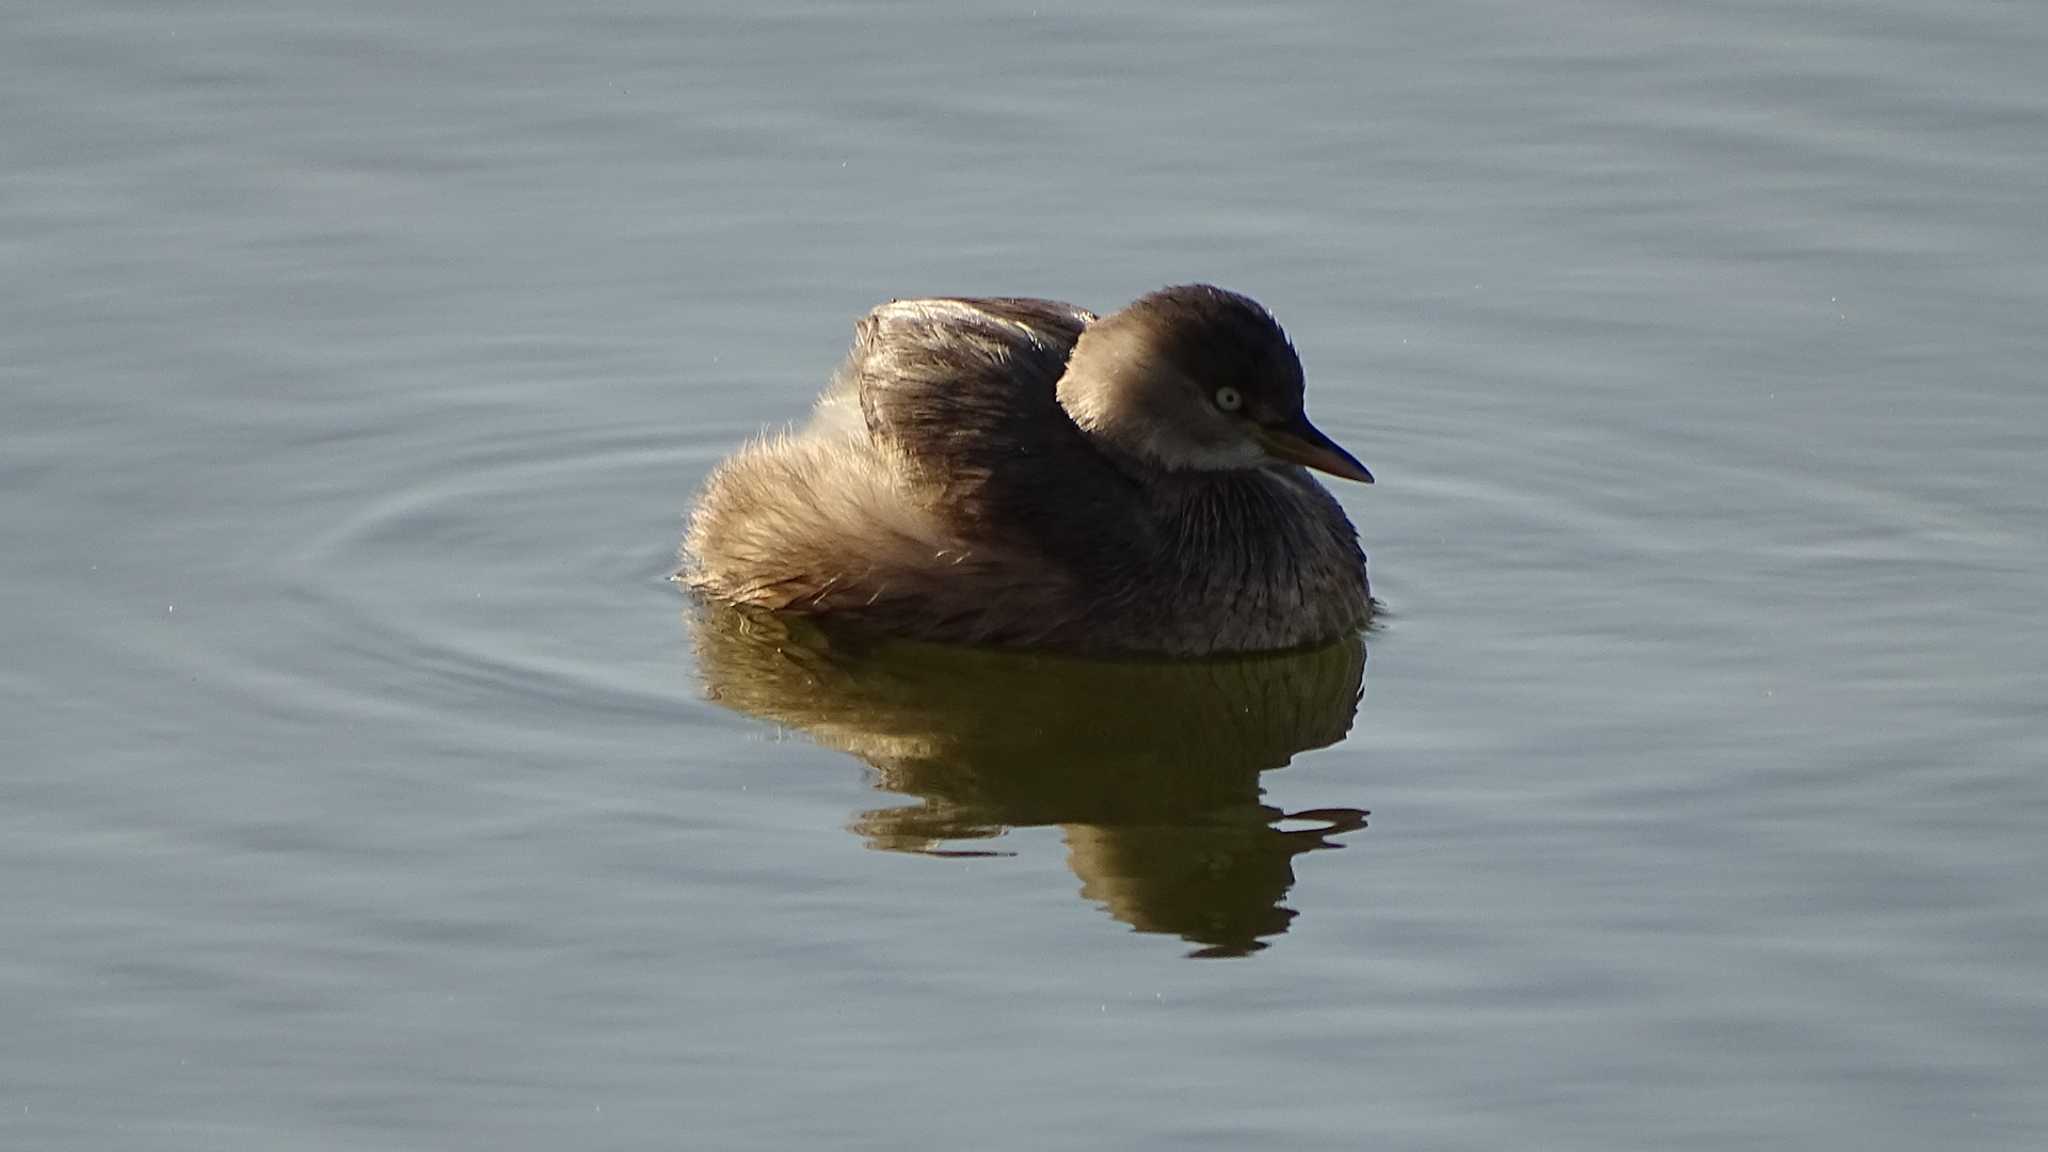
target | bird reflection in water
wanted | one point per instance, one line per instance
(1150, 769)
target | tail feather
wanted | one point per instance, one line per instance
(807, 523)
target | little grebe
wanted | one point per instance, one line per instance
(1019, 472)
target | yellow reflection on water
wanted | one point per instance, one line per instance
(1150, 769)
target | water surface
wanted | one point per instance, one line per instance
(366, 784)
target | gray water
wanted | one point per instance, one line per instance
(364, 783)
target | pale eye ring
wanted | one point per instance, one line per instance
(1229, 399)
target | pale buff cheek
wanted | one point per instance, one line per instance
(1181, 453)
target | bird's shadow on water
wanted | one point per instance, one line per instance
(1150, 768)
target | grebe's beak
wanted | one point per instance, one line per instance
(1300, 442)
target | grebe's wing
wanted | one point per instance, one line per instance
(963, 392)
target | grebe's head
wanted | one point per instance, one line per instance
(1197, 378)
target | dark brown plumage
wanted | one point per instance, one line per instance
(1018, 472)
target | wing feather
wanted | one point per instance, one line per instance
(964, 394)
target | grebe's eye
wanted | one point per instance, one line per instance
(1229, 399)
